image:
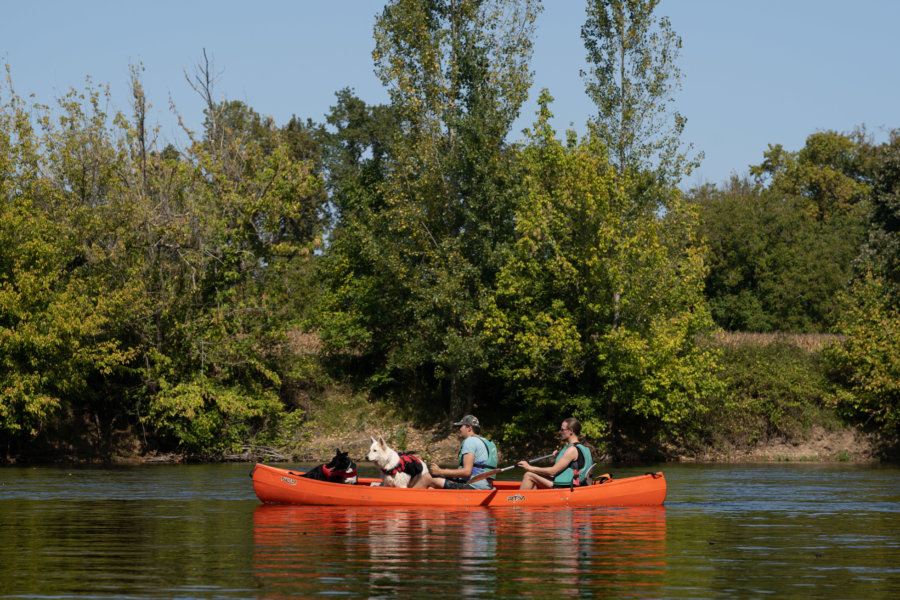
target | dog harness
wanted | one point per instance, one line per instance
(409, 464)
(334, 473)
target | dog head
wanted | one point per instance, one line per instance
(341, 462)
(380, 453)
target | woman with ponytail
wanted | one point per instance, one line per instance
(572, 465)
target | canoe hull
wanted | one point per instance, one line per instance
(284, 486)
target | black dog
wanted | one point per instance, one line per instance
(341, 469)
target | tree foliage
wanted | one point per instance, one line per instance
(411, 263)
(881, 251)
(830, 175)
(867, 363)
(597, 310)
(58, 330)
(782, 247)
(771, 267)
(192, 296)
(632, 79)
(147, 287)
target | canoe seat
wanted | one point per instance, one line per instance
(588, 478)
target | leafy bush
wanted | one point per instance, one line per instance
(867, 363)
(773, 390)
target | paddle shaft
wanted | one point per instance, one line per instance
(494, 472)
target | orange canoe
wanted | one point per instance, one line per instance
(284, 486)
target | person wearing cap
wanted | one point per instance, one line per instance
(473, 459)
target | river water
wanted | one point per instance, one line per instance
(197, 531)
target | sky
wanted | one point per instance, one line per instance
(755, 72)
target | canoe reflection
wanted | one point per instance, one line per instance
(304, 550)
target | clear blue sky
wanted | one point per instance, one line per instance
(755, 71)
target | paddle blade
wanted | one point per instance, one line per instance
(485, 475)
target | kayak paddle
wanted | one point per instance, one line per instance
(494, 472)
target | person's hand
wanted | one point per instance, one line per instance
(523, 464)
(434, 469)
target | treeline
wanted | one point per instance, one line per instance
(199, 298)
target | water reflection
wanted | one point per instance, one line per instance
(198, 531)
(302, 551)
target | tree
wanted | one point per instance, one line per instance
(355, 152)
(772, 265)
(867, 363)
(782, 245)
(881, 251)
(60, 301)
(146, 289)
(632, 80)
(230, 233)
(831, 173)
(566, 340)
(417, 255)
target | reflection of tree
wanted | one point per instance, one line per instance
(581, 549)
(394, 544)
(439, 550)
(478, 553)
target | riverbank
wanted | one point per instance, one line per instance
(439, 446)
(775, 406)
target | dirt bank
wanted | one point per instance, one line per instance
(434, 445)
(441, 446)
(819, 445)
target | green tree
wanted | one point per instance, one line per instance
(415, 263)
(566, 337)
(60, 303)
(226, 259)
(881, 252)
(772, 265)
(146, 289)
(355, 153)
(782, 246)
(632, 80)
(830, 174)
(867, 362)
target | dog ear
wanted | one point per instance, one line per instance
(381, 442)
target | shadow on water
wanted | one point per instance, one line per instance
(302, 551)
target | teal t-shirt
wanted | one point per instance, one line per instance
(474, 445)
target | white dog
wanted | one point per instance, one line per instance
(397, 470)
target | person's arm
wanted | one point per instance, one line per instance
(554, 469)
(462, 473)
